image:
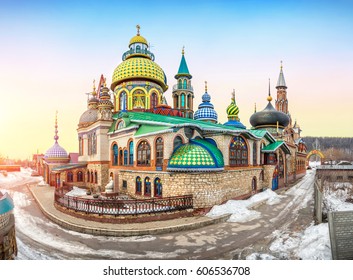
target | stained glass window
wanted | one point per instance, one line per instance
(238, 152)
(147, 186)
(157, 187)
(115, 154)
(138, 185)
(131, 153)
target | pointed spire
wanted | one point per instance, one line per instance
(269, 97)
(56, 137)
(205, 86)
(94, 93)
(183, 67)
(255, 108)
(233, 96)
(281, 82)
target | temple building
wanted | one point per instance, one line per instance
(131, 140)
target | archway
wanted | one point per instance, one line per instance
(316, 153)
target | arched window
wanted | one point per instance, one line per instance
(180, 84)
(185, 84)
(262, 156)
(121, 157)
(138, 185)
(92, 177)
(95, 177)
(154, 100)
(125, 157)
(87, 177)
(182, 100)
(138, 49)
(254, 153)
(123, 101)
(143, 153)
(115, 154)
(177, 142)
(159, 151)
(253, 185)
(238, 152)
(158, 187)
(69, 177)
(131, 153)
(147, 186)
(79, 176)
(262, 175)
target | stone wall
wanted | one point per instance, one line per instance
(207, 188)
(8, 245)
(103, 176)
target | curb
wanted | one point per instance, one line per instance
(129, 232)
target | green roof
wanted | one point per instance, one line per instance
(157, 122)
(276, 145)
(151, 129)
(211, 148)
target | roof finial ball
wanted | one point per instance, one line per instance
(138, 29)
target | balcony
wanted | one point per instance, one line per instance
(181, 87)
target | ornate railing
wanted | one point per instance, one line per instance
(190, 88)
(118, 207)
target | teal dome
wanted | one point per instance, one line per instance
(198, 155)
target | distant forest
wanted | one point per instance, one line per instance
(333, 148)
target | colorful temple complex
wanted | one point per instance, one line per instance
(132, 143)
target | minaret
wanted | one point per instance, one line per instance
(183, 93)
(281, 102)
(105, 106)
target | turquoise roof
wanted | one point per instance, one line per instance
(198, 155)
(276, 145)
(6, 203)
(183, 69)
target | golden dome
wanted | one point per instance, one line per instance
(138, 39)
(139, 68)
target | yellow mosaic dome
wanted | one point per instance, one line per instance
(138, 39)
(139, 67)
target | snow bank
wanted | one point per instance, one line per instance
(240, 210)
(334, 198)
(76, 192)
(312, 244)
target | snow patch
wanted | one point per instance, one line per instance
(240, 210)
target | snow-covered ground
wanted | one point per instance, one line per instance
(310, 244)
(241, 211)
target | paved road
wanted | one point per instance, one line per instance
(39, 238)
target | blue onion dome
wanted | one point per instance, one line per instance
(269, 117)
(232, 112)
(206, 110)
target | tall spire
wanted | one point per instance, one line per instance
(269, 97)
(281, 82)
(56, 137)
(183, 67)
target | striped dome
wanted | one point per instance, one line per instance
(232, 109)
(139, 67)
(56, 152)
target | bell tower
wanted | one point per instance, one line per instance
(183, 93)
(282, 101)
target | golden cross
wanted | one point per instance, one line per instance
(138, 29)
